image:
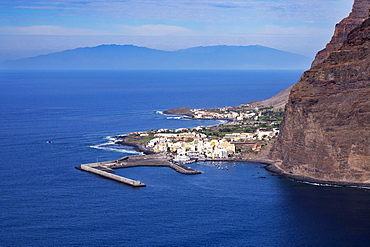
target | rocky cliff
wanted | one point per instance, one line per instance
(360, 12)
(325, 134)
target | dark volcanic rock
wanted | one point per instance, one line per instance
(360, 12)
(185, 111)
(325, 134)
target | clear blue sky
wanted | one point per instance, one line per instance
(28, 27)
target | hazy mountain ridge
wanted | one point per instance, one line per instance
(133, 57)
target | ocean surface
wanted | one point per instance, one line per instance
(45, 201)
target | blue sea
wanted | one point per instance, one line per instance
(45, 201)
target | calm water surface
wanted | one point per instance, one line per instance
(44, 201)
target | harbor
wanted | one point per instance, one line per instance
(106, 168)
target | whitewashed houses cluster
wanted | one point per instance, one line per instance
(185, 146)
(226, 114)
(257, 135)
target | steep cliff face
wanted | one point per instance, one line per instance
(325, 134)
(360, 12)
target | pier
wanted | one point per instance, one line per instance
(99, 171)
(106, 168)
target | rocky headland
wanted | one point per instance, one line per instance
(360, 12)
(181, 111)
(325, 134)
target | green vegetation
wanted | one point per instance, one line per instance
(137, 139)
(264, 119)
(268, 119)
(213, 133)
(272, 116)
(189, 140)
(227, 129)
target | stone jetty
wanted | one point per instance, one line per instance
(105, 172)
(106, 168)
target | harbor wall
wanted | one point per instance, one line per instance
(113, 176)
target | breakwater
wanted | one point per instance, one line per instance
(102, 171)
(155, 160)
(106, 168)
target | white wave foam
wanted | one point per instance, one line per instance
(115, 138)
(111, 146)
(219, 122)
(319, 184)
(337, 186)
(111, 138)
(173, 116)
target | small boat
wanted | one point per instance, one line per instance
(49, 142)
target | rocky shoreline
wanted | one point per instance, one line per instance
(137, 147)
(273, 167)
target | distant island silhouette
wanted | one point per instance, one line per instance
(130, 57)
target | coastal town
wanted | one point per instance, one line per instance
(246, 130)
